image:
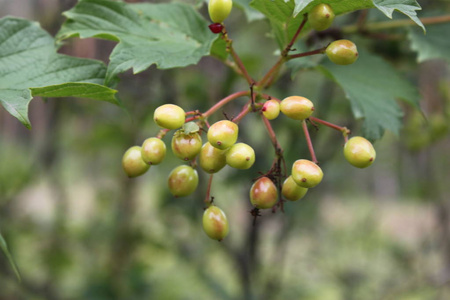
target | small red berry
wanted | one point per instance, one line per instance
(216, 28)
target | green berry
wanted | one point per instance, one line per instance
(183, 181)
(306, 173)
(219, 10)
(297, 107)
(169, 116)
(359, 152)
(271, 109)
(212, 159)
(263, 193)
(186, 146)
(223, 134)
(342, 52)
(132, 162)
(215, 223)
(240, 156)
(153, 151)
(321, 17)
(292, 191)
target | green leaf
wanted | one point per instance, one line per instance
(8, 255)
(407, 7)
(373, 86)
(432, 45)
(250, 13)
(169, 35)
(29, 64)
(190, 127)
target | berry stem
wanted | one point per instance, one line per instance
(268, 97)
(162, 133)
(294, 38)
(208, 192)
(342, 129)
(224, 101)
(309, 142)
(273, 137)
(245, 110)
(308, 53)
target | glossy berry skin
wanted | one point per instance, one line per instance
(306, 173)
(321, 17)
(169, 116)
(359, 152)
(297, 107)
(271, 109)
(342, 52)
(219, 10)
(240, 156)
(153, 151)
(292, 191)
(216, 28)
(215, 223)
(186, 146)
(212, 159)
(223, 134)
(182, 181)
(132, 162)
(263, 193)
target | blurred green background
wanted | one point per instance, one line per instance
(78, 228)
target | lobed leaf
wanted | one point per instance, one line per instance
(432, 45)
(29, 64)
(407, 7)
(373, 86)
(169, 35)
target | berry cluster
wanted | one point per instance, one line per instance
(222, 147)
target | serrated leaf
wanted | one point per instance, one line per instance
(4, 247)
(373, 86)
(169, 35)
(407, 7)
(190, 127)
(29, 64)
(432, 45)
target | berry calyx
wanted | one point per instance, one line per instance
(292, 191)
(240, 156)
(321, 17)
(169, 116)
(297, 107)
(342, 52)
(153, 151)
(271, 109)
(306, 173)
(263, 193)
(359, 152)
(182, 181)
(215, 223)
(216, 28)
(186, 146)
(212, 159)
(219, 10)
(132, 162)
(223, 134)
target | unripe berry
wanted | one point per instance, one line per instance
(153, 151)
(342, 52)
(186, 146)
(132, 162)
(292, 191)
(212, 159)
(223, 134)
(359, 152)
(321, 17)
(215, 223)
(263, 193)
(219, 10)
(271, 109)
(297, 107)
(240, 156)
(169, 116)
(183, 181)
(306, 173)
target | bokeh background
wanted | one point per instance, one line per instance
(78, 228)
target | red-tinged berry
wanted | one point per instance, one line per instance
(359, 152)
(212, 159)
(306, 173)
(271, 109)
(186, 146)
(342, 52)
(263, 193)
(297, 107)
(216, 28)
(215, 223)
(132, 162)
(153, 151)
(182, 181)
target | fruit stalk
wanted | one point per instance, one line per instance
(345, 131)
(294, 38)
(308, 53)
(208, 200)
(309, 142)
(273, 137)
(224, 101)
